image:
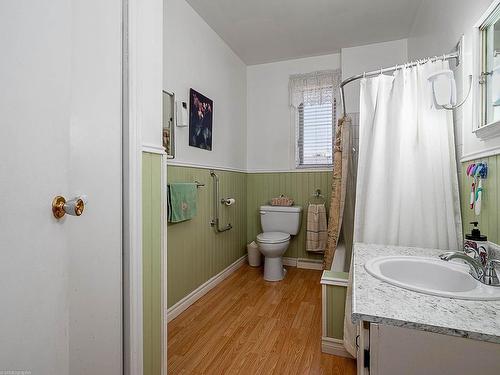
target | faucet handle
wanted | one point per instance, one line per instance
(470, 251)
(490, 273)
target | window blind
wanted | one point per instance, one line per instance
(315, 133)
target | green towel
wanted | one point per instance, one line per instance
(181, 201)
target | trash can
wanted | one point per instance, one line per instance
(253, 254)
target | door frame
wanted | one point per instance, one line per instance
(132, 196)
(136, 32)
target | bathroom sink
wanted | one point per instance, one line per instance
(431, 276)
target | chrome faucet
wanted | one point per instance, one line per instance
(490, 274)
(486, 275)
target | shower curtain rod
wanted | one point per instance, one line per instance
(454, 55)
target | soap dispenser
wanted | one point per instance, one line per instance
(477, 242)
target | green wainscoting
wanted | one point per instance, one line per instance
(490, 207)
(151, 262)
(335, 292)
(195, 252)
(335, 311)
(298, 185)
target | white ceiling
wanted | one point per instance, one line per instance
(262, 31)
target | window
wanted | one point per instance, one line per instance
(489, 73)
(315, 134)
(313, 106)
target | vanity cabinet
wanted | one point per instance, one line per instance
(390, 350)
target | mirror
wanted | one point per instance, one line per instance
(495, 85)
(490, 69)
(168, 123)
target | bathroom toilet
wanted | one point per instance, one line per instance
(278, 224)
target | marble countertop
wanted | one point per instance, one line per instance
(379, 302)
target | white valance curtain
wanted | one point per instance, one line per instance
(314, 88)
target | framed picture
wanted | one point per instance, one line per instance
(201, 110)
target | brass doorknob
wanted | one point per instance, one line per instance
(73, 207)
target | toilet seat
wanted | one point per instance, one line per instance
(273, 237)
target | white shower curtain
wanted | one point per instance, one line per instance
(407, 185)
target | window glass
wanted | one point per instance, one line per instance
(314, 143)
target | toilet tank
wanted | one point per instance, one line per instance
(280, 219)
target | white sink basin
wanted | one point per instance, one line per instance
(431, 276)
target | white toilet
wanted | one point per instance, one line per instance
(278, 224)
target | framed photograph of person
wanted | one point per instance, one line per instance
(201, 110)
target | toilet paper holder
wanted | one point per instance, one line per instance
(228, 201)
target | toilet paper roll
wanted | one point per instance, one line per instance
(230, 201)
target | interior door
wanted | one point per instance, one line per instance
(60, 134)
(94, 246)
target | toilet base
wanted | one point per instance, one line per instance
(273, 269)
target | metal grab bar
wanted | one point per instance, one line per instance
(215, 221)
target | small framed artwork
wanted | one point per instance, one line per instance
(201, 110)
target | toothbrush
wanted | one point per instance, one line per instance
(469, 172)
(479, 195)
(472, 194)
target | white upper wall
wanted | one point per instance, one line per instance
(252, 124)
(196, 57)
(436, 30)
(361, 59)
(270, 135)
(439, 24)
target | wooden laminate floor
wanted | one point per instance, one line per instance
(248, 326)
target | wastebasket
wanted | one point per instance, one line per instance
(254, 257)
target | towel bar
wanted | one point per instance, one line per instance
(199, 184)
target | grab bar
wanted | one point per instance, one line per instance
(215, 221)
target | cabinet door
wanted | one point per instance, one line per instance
(363, 343)
(396, 351)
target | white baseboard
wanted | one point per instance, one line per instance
(334, 347)
(203, 289)
(310, 264)
(291, 262)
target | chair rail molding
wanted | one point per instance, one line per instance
(153, 149)
(488, 131)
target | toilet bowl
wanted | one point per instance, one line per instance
(273, 245)
(278, 224)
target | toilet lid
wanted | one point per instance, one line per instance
(273, 237)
